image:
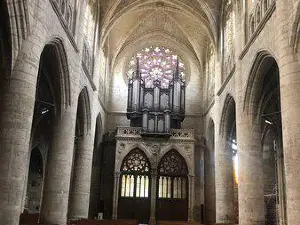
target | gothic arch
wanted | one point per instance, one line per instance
(61, 79)
(227, 115)
(122, 153)
(161, 39)
(139, 151)
(189, 161)
(84, 112)
(184, 168)
(261, 64)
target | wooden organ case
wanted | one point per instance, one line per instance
(156, 109)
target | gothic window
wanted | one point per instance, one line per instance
(156, 63)
(69, 17)
(258, 15)
(135, 172)
(63, 7)
(89, 34)
(228, 30)
(89, 24)
(265, 5)
(172, 176)
(210, 73)
(252, 25)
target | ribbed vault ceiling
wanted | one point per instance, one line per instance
(189, 23)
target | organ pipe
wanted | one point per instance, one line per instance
(164, 106)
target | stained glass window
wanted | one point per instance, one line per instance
(156, 63)
(135, 172)
(172, 179)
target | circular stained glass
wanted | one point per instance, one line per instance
(155, 63)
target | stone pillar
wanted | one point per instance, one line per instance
(281, 183)
(58, 174)
(81, 180)
(224, 181)
(116, 196)
(191, 196)
(153, 197)
(17, 97)
(251, 185)
(209, 187)
(289, 67)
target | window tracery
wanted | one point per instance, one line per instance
(65, 9)
(172, 179)
(257, 11)
(156, 63)
(135, 171)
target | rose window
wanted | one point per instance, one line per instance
(155, 63)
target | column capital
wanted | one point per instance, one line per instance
(154, 172)
(117, 174)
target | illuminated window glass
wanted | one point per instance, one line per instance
(172, 179)
(155, 63)
(135, 173)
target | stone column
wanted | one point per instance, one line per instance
(58, 174)
(116, 196)
(81, 181)
(17, 97)
(209, 187)
(224, 181)
(153, 197)
(289, 67)
(191, 199)
(251, 185)
(281, 183)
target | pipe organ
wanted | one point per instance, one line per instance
(156, 109)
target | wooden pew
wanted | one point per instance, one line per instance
(103, 222)
(31, 219)
(165, 222)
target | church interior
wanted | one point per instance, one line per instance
(149, 112)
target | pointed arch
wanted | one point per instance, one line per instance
(64, 74)
(83, 113)
(262, 62)
(126, 151)
(166, 166)
(228, 116)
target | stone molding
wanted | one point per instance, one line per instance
(64, 25)
(258, 29)
(181, 140)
